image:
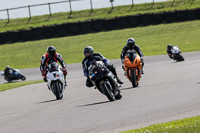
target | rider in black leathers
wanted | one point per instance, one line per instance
(131, 45)
(9, 72)
(169, 52)
(91, 57)
(49, 57)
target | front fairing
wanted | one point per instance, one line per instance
(55, 76)
(132, 60)
(131, 54)
(175, 50)
(98, 74)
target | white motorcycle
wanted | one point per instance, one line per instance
(56, 80)
(176, 54)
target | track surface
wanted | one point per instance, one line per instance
(167, 91)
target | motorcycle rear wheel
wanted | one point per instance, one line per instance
(179, 58)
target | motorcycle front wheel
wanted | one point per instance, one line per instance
(108, 91)
(57, 89)
(23, 77)
(133, 78)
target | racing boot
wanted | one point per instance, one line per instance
(45, 79)
(142, 72)
(125, 73)
(119, 80)
(65, 80)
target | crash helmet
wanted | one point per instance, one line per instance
(131, 43)
(51, 50)
(169, 46)
(88, 51)
(8, 67)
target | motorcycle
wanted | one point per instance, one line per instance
(176, 54)
(13, 74)
(55, 80)
(133, 66)
(104, 80)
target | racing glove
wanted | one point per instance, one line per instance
(44, 73)
(64, 70)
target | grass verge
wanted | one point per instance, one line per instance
(187, 125)
(59, 18)
(8, 86)
(152, 40)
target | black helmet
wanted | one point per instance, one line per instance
(51, 50)
(88, 51)
(169, 46)
(131, 43)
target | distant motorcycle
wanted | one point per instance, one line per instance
(132, 66)
(13, 74)
(104, 80)
(176, 54)
(55, 80)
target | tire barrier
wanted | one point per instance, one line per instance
(93, 26)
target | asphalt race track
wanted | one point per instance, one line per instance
(167, 91)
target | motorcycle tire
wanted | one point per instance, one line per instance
(118, 96)
(133, 78)
(108, 91)
(23, 78)
(179, 58)
(57, 90)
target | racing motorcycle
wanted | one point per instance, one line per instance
(13, 74)
(133, 66)
(176, 54)
(55, 80)
(104, 80)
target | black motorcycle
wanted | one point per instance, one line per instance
(176, 54)
(13, 74)
(104, 80)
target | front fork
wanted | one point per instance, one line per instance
(137, 72)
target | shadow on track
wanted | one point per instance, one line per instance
(93, 104)
(14, 81)
(48, 101)
(129, 88)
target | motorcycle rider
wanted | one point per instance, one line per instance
(9, 72)
(129, 46)
(50, 57)
(91, 57)
(169, 52)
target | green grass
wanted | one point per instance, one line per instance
(7, 86)
(187, 125)
(152, 40)
(84, 15)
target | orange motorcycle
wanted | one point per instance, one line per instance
(133, 66)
